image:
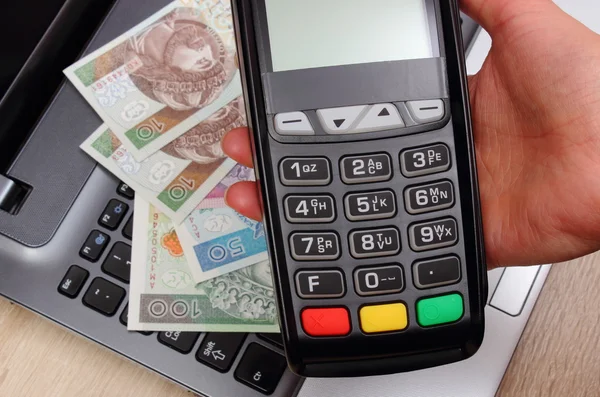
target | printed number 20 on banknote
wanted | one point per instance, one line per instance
(164, 76)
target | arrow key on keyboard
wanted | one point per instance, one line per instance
(218, 350)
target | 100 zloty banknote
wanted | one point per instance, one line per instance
(218, 240)
(177, 177)
(164, 76)
(164, 296)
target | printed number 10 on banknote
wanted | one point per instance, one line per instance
(163, 77)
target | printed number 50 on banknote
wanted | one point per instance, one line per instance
(164, 76)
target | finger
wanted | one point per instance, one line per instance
(237, 145)
(243, 197)
(493, 14)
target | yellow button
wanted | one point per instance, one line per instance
(383, 318)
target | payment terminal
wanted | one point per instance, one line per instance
(359, 116)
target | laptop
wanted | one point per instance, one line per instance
(52, 196)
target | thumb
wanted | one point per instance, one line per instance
(493, 15)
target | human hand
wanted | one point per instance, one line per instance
(536, 119)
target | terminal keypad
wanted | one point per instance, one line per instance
(327, 264)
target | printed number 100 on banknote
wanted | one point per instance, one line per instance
(166, 75)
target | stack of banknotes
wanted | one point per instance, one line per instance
(168, 90)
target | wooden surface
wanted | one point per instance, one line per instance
(559, 354)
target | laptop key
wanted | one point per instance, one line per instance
(260, 368)
(128, 229)
(113, 214)
(103, 296)
(275, 339)
(118, 262)
(125, 316)
(183, 342)
(73, 281)
(126, 191)
(94, 245)
(218, 350)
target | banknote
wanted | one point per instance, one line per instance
(216, 239)
(177, 177)
(164, 296)
(164, 76)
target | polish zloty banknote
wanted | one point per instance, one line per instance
(164, 297)
(164, 76)
(177, 177)
(216, 239)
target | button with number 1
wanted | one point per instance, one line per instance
(305, 171)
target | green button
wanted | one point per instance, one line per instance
(439, 310)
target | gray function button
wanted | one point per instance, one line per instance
(436, 272)
(383, 116)
(340, 120)
(309, 209)
(311, 284)
(366, 168)
(431, 197)
(303, 171)
(370, 206)
(293, 123)
(425, 160)
(378, 280)
(426, 111)
(431, 235)
(320, 246)
(374, 242)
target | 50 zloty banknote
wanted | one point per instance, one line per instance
(216, 239)
(177, 177)
(164, 297)
(164, 76)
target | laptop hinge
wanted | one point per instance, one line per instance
(12, 194)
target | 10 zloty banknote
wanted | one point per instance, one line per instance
(164, 76)
(164, 296)
(216, 239)
(177, 177)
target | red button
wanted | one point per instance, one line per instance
(332, 321)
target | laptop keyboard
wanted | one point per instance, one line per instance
(260, 368)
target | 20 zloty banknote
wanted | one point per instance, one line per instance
(164, 76)
(177, 177)
(163, 295)
(216, 239)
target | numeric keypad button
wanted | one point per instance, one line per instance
(366, 168)
(378, 280)
(427, 198)
(437, 272)
(433, 234)
(312, 284)
(425, 160)
(320, 246)
(303, 171)
(370, 206)
(374, 242)
(309, 209)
